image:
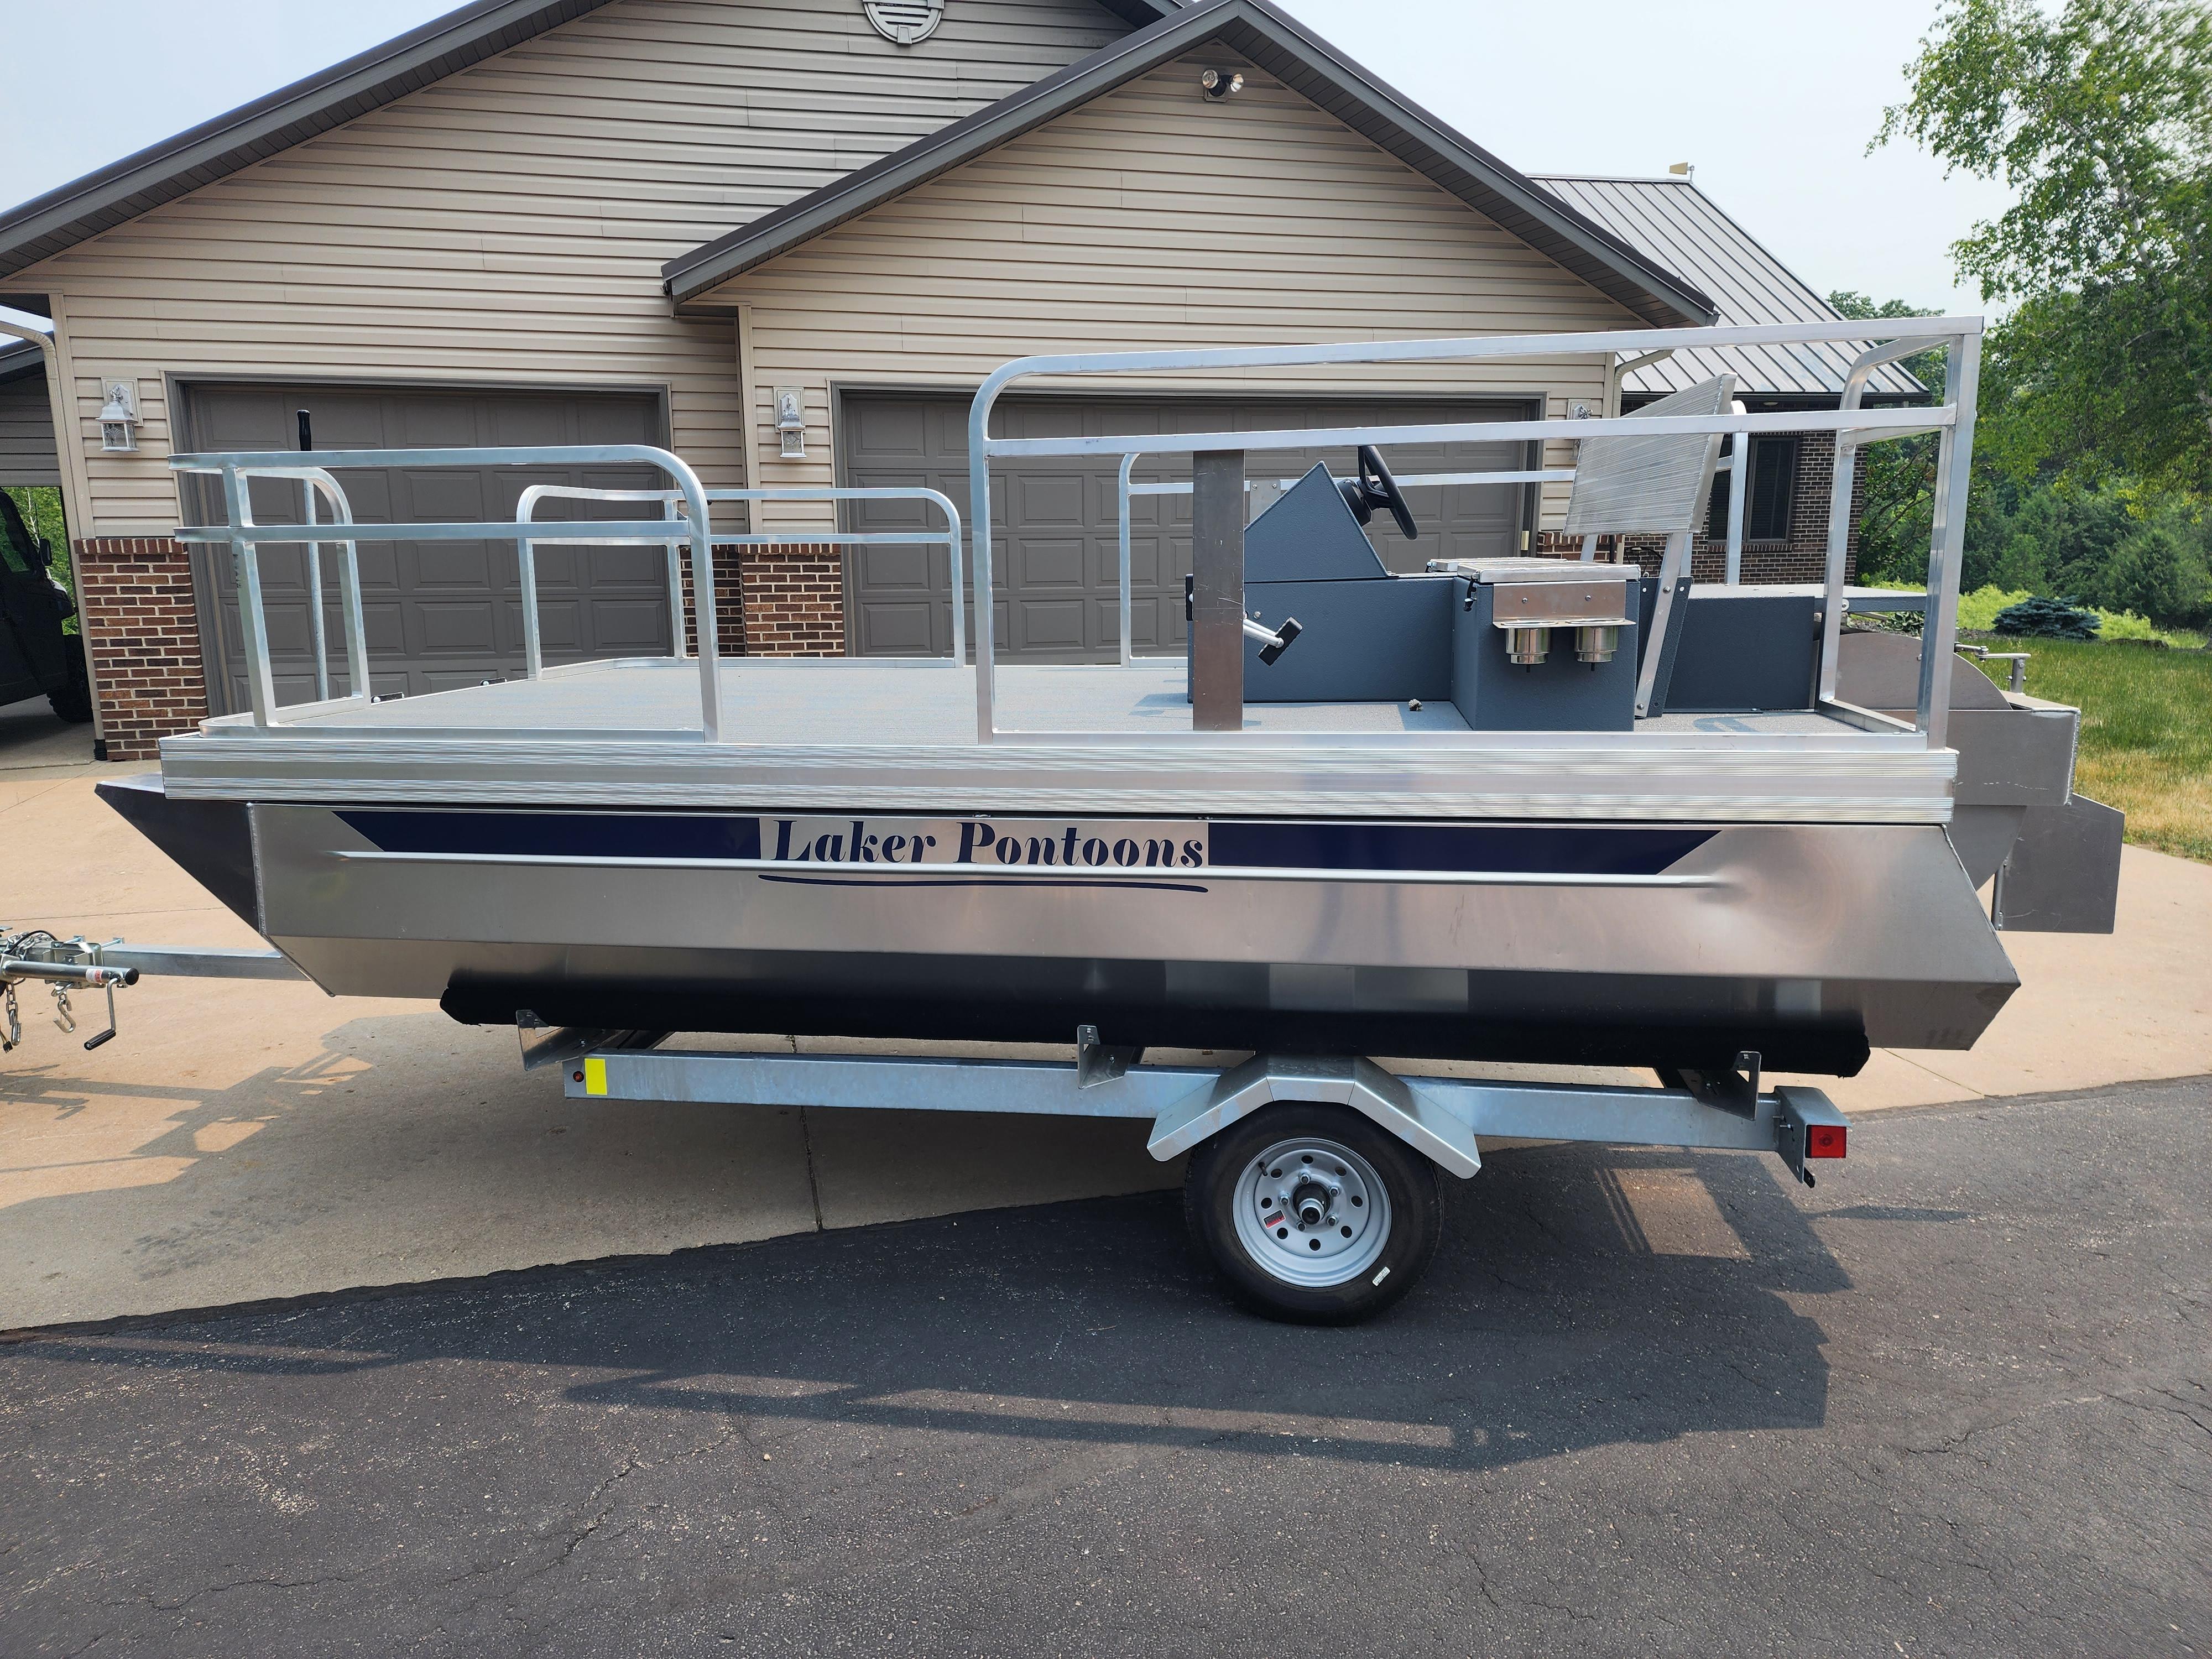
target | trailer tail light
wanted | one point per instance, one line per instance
(1824, 1139)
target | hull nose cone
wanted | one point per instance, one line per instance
(211, 839)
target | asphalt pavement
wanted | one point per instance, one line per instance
(1953, 1402)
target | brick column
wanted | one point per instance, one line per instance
(135, 603)
(794, 600)
(729, 603)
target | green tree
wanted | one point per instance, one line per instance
(1895, 521)
(2156, 574)
(2099, 115)
(40, 505)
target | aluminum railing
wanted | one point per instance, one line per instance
(315, 482)
(525, 559)
(1733, 532)
(1895, 338)
(1854, 426)
(525, 510)
(243, 537)
(1126, 489)
(315, 470)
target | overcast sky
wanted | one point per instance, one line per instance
(1774, 103)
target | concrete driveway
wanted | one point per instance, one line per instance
(34, 739)
(241, 1141)
(1952, 1403)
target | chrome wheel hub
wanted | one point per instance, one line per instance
(1312, 1212)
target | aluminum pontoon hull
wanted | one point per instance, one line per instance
(1629, 944)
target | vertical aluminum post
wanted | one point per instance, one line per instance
(703, 607)
(317, 480)
(675, 550)
(253, 626)
(1946, 551)
(1216, 626)
(1840, 542)
(1121, 492)
(350, 612)
(1842, 480)
(317, 642)
(1739, 446)
(979, 540)
(533, 652)
(699, 515)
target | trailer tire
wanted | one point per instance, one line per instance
(1312, 1213)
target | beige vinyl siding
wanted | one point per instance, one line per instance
(506, 225)
(27, 432)
(1153, 218)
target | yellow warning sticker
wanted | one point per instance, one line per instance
(595, 1076)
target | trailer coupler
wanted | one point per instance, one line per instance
(37, 956)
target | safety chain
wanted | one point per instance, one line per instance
(41, 945)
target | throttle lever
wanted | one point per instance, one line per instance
(1272, 645)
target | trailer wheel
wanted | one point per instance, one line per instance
(1312, 1213)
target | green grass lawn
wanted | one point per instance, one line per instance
(2145, 732)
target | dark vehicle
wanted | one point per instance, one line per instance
(35, 656)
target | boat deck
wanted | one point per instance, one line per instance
(783, 701)
(844, 734)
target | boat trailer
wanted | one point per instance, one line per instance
(1352, 1154)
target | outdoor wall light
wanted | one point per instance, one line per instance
(1219, 84)
(119, 420)
(791, 423)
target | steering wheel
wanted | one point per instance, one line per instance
(1375, 487)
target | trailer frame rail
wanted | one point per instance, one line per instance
(1444, 1119)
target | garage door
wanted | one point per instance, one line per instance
(439, 614)
(1054, 536)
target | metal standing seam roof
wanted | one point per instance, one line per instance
(1645, 285)
(71, 213)
(1674, 222)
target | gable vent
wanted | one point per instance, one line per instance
(907, 22)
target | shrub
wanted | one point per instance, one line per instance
(2155, 573)
(2126, 625)
(1977, 611)
(2047, 619)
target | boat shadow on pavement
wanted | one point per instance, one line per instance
(1581, 1299)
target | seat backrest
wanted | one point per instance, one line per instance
(1651, 486)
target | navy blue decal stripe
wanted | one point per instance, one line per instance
(1500, 849)
(563, 834)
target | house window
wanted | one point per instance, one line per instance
(1768, 496)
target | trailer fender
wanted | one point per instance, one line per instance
(1265, 1079)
